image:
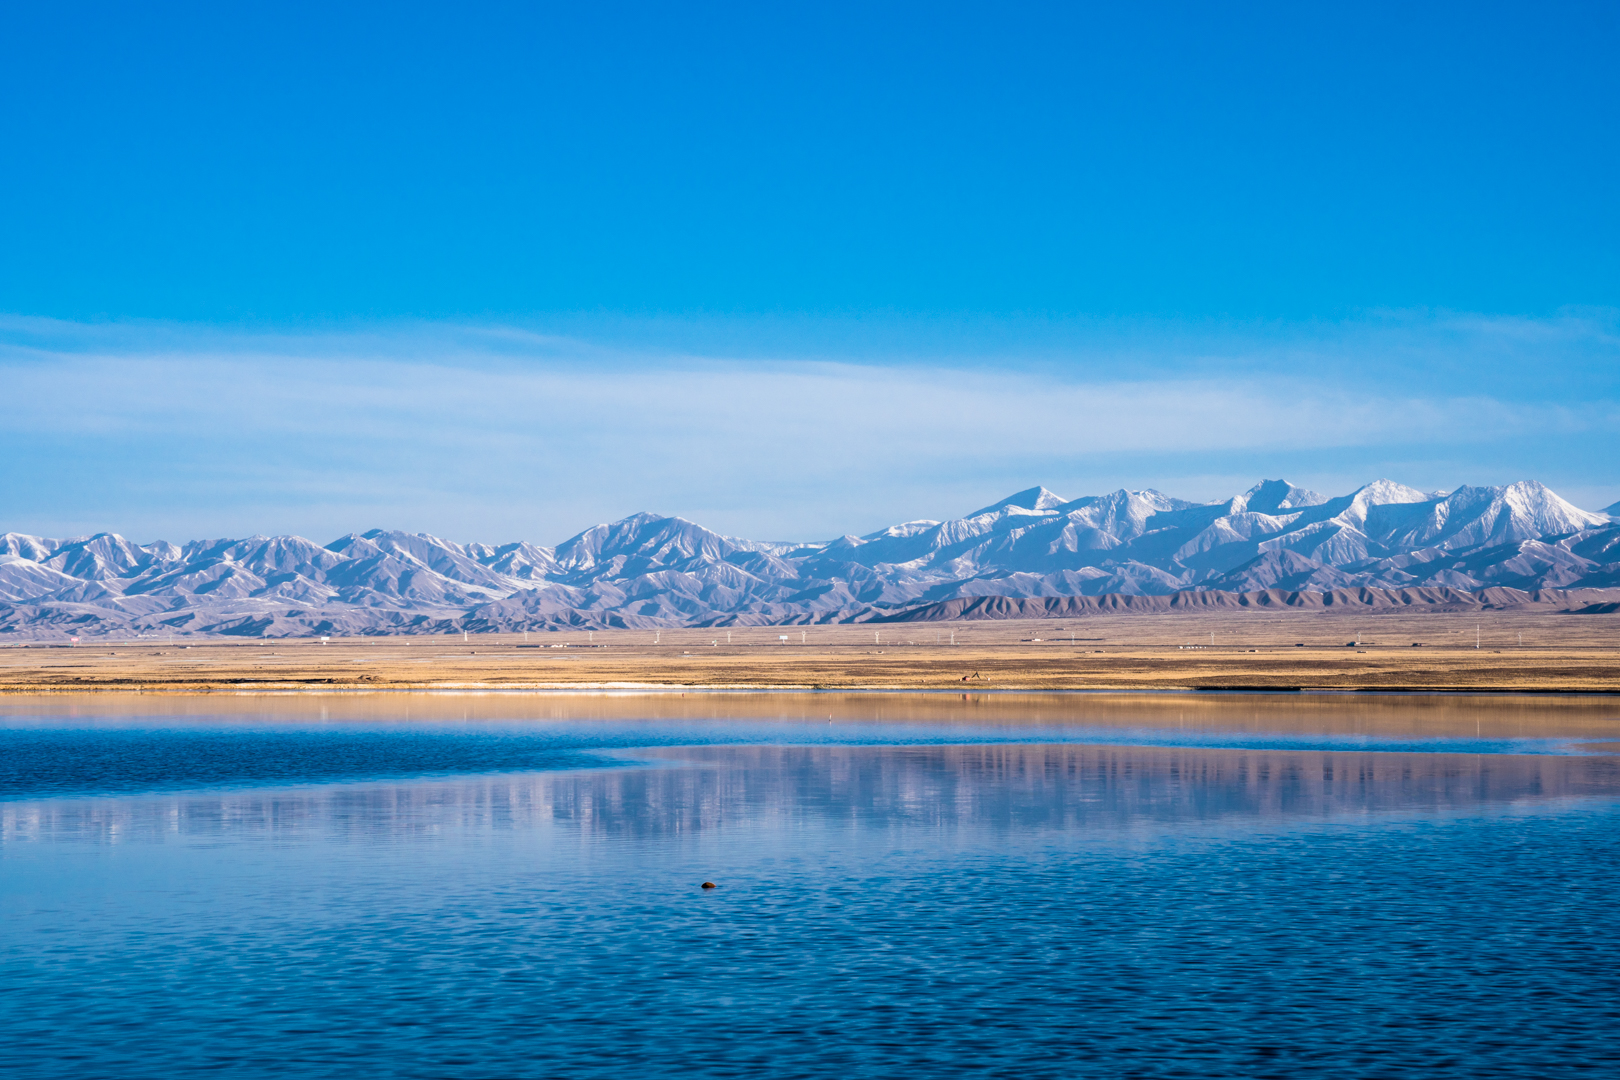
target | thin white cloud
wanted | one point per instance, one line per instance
(473, 431)
(849, 409)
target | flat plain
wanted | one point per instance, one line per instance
(1493, 650)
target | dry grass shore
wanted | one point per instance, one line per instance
(1518, 651)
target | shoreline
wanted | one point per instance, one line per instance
(1378, 714)
(682, 689)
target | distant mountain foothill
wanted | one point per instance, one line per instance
(1031, 554)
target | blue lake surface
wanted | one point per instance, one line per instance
(209, 895)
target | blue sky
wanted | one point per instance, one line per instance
(502, 271)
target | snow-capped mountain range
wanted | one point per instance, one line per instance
(652, 571)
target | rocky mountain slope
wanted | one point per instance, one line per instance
(651, 571)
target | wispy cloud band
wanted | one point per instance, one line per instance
(472, 431)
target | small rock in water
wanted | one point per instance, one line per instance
(708, 885)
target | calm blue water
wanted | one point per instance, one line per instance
(495, 901)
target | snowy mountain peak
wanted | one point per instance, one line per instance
(1388, 492)
(1275, 496)
(905, 529)
(1123, 497)
(1545, 511)
(32, 548)
(1035, 498)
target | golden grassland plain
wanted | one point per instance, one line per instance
(1524, 650)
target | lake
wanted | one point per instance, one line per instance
(1176, 885)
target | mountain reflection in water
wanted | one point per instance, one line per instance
(978, 787)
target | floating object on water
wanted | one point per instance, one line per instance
(709, 885)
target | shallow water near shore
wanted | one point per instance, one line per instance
(1094, 890)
